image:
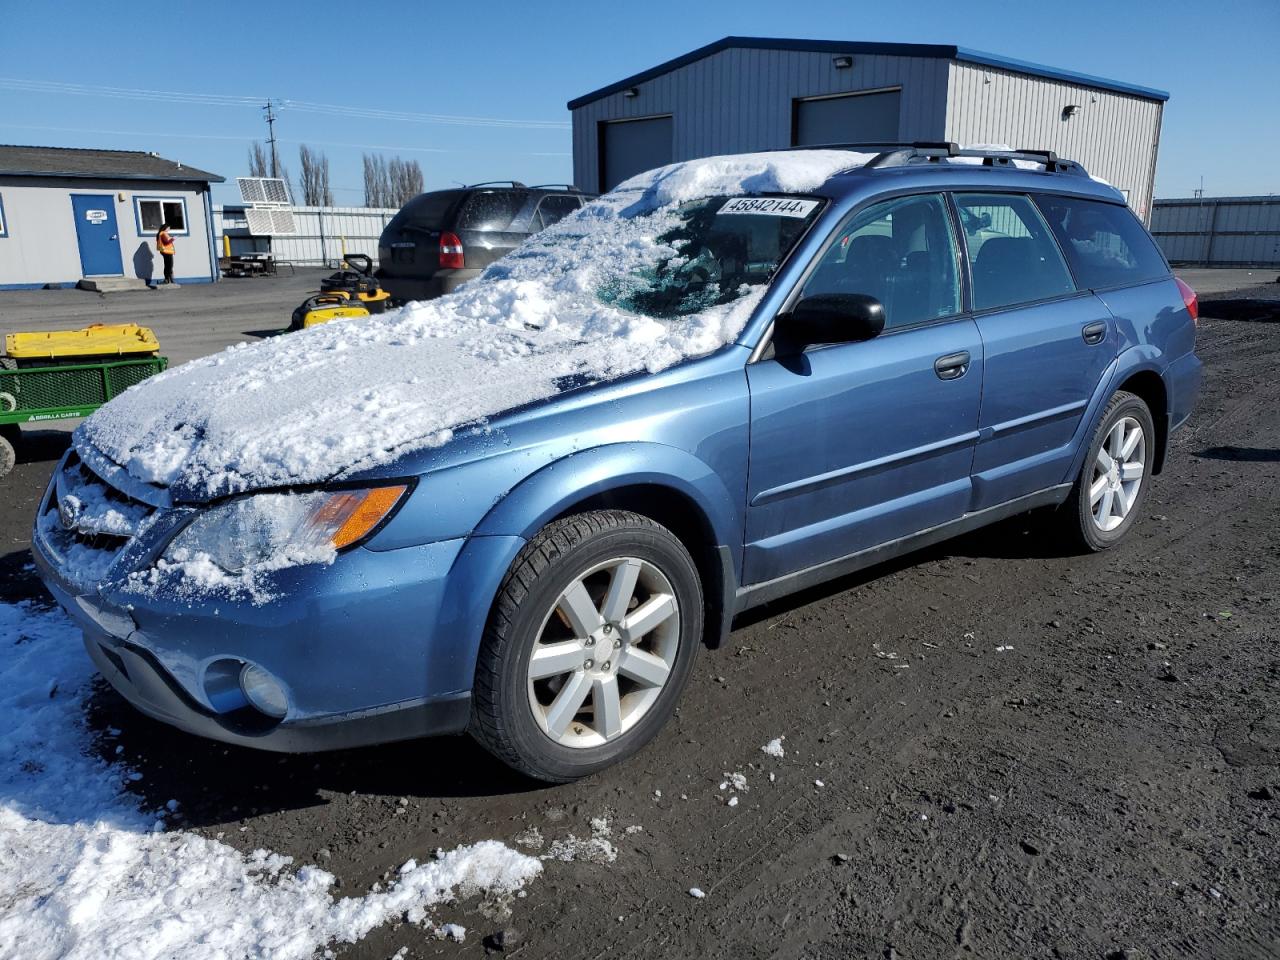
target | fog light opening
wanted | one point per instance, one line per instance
(264, 692)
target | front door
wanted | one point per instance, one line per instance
(97, 235)
(859, 444)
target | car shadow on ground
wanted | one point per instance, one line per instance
(1030, 536)
(1241, 454)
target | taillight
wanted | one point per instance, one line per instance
(1190, 299)
(451, 257)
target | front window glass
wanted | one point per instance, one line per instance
(717, 250)
(902, 252)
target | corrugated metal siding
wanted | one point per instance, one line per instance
(322, 232)
(1219, 231)
(1114, 135)
(740, 100)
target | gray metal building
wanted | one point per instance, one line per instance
(749, 93)
(68, 215)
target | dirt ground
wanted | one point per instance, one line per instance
(993, 750)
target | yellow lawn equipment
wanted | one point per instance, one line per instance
(349, 293)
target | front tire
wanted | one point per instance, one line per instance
(1115, 477)
(588, 647)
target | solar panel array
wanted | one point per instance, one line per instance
(269, 221)
(263, 190)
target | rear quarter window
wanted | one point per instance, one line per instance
(1104, 242)
(492, 210)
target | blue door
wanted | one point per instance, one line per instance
(97, 235)
(858, 444)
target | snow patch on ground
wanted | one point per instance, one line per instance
(597, 848)
(350, 395)
(89, 875)
(774, 748)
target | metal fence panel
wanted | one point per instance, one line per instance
(324, 234)
(1219, 231)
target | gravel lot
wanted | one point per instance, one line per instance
(992, 749)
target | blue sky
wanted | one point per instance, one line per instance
(523, 61)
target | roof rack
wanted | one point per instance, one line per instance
(554, 186)
(497, 183)
(901, 154)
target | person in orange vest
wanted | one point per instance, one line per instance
(164, 243)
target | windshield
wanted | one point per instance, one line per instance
(716, 251)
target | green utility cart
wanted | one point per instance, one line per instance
(63, 374)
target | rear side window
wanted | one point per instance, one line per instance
(492, 210)
(553, 209)
(1012, 254)
(1105, 242)
(426, 212)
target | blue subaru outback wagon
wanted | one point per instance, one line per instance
(518, 510)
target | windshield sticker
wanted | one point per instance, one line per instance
(772, 206)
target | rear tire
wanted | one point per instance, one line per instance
(1115, 477)
(589, 645)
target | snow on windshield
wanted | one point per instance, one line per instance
(350, 395)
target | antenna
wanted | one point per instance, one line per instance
(271, 137)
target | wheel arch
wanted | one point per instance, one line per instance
(667, 485)
(1150, 386)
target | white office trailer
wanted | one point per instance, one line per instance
(742, 94)
(69, 216)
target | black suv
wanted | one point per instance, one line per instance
(442, 239)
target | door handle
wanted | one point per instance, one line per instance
(1094, 332)
(953, 366)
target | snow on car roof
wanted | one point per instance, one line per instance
(351, 395)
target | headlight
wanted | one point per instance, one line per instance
(283, 529)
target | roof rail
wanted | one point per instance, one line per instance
(497, 183)
(898, 156)
(554, 186)
(931, 151)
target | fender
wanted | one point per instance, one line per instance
(556, 487)
(1137, 359)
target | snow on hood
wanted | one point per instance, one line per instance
(350, 395)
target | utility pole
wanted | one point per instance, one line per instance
(271, 137)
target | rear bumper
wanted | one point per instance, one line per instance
(1182, 380)
(437, 285)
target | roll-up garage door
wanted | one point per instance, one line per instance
(851, 118)
(628, 147)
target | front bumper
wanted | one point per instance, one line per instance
(378, 646)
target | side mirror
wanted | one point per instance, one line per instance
(832, 318)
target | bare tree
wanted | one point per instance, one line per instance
(313, 180)
(376, 188)
(390, 183)
(258, 165)
(405, 178)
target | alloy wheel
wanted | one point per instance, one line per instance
(1118, 471)
(604, 652)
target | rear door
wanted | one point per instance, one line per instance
(1047, 346)
(858, 444)
(492, 223)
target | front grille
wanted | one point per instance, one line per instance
(87, 522)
